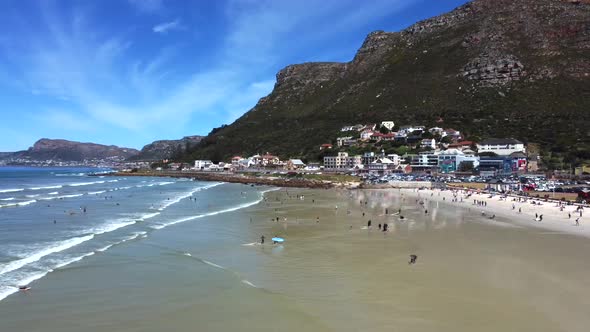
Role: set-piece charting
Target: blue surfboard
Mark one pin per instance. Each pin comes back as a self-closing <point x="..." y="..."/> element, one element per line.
<point x="278" y="239"/>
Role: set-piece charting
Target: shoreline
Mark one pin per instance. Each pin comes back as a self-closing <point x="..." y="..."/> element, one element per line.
<point x="553" y="220"/>
<point x="244" y="179"/>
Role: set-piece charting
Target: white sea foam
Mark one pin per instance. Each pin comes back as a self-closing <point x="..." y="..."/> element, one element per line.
<point x="10" y="190"/>
<point x="47" y="187"/>
<point x="111" y="226"/>
<point x="164" y="183"/>
<point x="248" y="283"/>
<point x="105" y="248"/>
<point x="70" y="196"/>
<point x="53" y="248"/>
<point x="235" y="208"/>
<point x="97" y="192"/>
<point x="73" y="260"/>
<point x="53" y="193"/>
<point x="85" y="183"/>
<point x="148" y="216"/>
<point x="7" y="199"/>
<point x="187" y="195"/>
<point x="113" y="181"/>
<point x="25" y="203"/>
<point x="213" y="264"/>
<point x="32" y="196"/>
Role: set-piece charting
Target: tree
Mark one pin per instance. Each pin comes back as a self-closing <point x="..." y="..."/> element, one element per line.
<point x="446" y="139"/>
<point x="465" y="166"/>
<point x="384" y="130"/>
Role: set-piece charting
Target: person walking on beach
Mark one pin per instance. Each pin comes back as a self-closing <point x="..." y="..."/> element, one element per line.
<point x="577" y="221"/>
<point x="569" y="215"/>
<point x="369" y="223"/>
<point x="385" y="227"/>
<point x="519" y="210"/>
<point x="380" y="226"/>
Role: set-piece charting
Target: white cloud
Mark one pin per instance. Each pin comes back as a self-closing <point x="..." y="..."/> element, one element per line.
<point x="167" y="26"/>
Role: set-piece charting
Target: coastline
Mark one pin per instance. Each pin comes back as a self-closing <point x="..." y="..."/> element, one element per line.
<point x="245" y="179"/>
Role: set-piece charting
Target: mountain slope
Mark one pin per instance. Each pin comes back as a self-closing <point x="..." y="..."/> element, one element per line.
<point x="500" y="68"/>
<point x="164" y="149"/>
<point x="63" y="150"/>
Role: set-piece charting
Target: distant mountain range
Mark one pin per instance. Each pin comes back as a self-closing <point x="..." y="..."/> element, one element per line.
<point x="63" y="150"/>
<point x="70" y="151"/>
<point x="490" y="68"/>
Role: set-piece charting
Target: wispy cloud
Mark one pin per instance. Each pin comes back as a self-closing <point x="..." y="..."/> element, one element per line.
<point x="167" y="26"/>
<point x="132" y="83"/>
<point x="147" y="6"/>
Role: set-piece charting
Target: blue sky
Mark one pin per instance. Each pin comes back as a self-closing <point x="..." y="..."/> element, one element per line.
<point x="127" y="72"/>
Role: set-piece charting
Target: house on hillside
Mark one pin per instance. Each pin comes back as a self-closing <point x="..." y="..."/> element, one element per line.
<point x="270" y="160"/>
<point x="462" y="145"/>
<point x="453" y="134"/>
<point x="388" y="124"/>
<point x="428" y="143"/>
<point x="366" y="134"/>
<point x="294" y="164"/>
<point x="326" y="146"/>
<point x="436" y="131"/>
<point x="341" y="140"/>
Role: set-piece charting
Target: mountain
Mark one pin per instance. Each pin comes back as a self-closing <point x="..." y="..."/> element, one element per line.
<point x="489" y="68"/>
<point x="63" y="150"/>
<point x="165" y="149"/>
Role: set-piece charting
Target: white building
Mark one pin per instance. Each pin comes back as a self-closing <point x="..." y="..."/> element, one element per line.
<point x="340" y="141"/>
<point x="366" y="134"/>
<point x="428" y="143"/>
<point x="436" y="131"/>
<point x="388" y="124"/>
<point x="501" y="146"/>
<point x="424" y="161"/>
<point x="395" y="158"/>
<point x="381" y="165"/>
<point x="202" y="164"/>
<point x="410" y="129"/>
<point x="341" y="162"/>
<point x="449" y="160"/>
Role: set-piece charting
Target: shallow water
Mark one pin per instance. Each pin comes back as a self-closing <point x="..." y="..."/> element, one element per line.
<point x="208" y="273"/>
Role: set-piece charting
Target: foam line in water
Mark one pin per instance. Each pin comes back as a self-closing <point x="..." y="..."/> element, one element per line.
<point x="47" y="187"/>
<point x="235" y="208"/>
<point x="10" y="190"/>
<point x="248" y="283"/>
<point x="25" y="203"/>
<point x="212" y="264"/>
<point x="56" y="247"/>
<point x="7" y="199"/>
<point x="111" y="227"/>
<point x="84" y="183"/>
<point x="105" y="248"/>
<point x="187" y="195"/>
<point x="73" y="260"/>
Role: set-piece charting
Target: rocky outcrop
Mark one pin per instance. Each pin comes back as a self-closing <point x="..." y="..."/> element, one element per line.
<point x="165" y="149"/>
<point x="490" y="70"/>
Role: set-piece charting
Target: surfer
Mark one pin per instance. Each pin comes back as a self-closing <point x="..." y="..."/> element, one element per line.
<point x="262" y="239"/>
<point x="413" y="259"/>
<point x="385" y="227"/>
<point x="24" y="288"/>
<point x="369" y="223"/>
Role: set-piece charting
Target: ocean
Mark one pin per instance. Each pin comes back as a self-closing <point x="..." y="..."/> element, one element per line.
<point x="53" y="217"/>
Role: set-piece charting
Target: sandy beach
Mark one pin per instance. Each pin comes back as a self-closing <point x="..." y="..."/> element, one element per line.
<point x="518" y="211"/>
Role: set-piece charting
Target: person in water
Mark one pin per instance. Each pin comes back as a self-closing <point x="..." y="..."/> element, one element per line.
<point x="379" y="226"/>
<point x="413" y="259"/>
<point x="369" y="223"/>
<point x="385" y="227"/>
<point x="262" y="239"/>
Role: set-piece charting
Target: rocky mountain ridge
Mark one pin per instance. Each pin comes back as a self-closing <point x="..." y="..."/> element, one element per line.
<point x="490" y="68"/>
<point x="164" y="149"/>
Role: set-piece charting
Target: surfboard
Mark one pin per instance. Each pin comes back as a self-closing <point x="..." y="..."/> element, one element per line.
<point x="278" y="239"/>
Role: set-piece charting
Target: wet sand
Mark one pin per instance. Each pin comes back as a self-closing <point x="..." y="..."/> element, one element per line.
<point x="332" y="275"/>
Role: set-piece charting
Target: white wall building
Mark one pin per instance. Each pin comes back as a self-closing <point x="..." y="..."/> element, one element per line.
<point x="428" y="143"/>
<point x="388" y="124"/>
<point x="342" y="161"/>
<point x="501" y="146"/>
<point x="202" y="164"/>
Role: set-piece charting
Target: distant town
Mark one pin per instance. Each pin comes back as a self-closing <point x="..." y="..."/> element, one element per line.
<point x="420" y="150"/>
